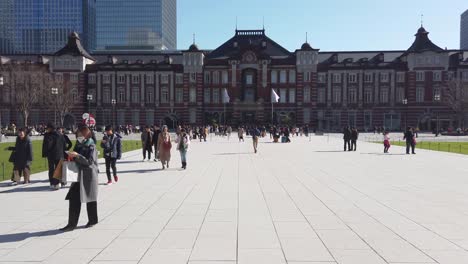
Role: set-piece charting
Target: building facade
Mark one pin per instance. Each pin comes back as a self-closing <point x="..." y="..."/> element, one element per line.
<point x="424" y="86"/>
<point x="137" y="25"/>
<point x="464" y="30"/>
<point x="42" y="26"/>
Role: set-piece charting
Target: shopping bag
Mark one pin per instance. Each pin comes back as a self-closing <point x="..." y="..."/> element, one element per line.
<point x="58" y="171"/>
<point x="69" y="171"/>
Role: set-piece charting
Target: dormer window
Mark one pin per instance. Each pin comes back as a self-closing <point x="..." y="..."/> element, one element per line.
<point x="264" y="44"/>
<point x="235" y="44"/>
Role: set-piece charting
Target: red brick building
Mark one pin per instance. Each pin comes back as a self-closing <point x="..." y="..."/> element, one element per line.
<point x="326" y="90"/>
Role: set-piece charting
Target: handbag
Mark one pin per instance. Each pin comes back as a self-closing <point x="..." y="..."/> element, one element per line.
<point x="58" y="171"/>
<point x="12" y="158"/>
<point x="69" y="171"/>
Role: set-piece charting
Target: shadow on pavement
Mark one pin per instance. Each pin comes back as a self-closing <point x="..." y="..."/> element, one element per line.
<point x="384" y="154"/>
<point x="28" y="189"/>
<point x="332" y="151"/>
<point x="8" y="238"/>
<point x="139" y="171"/>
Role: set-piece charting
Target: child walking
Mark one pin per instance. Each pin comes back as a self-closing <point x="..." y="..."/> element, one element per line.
<point x="386" y="142"/>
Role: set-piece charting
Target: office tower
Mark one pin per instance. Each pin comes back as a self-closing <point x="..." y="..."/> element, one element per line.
<point x="42" y="26"/>
<point x="137" y="25"/>
<point x="464" y="31"/>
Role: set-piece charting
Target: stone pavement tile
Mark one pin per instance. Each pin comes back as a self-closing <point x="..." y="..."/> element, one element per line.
<point x="35" y="250"/>
<point x="429" y="240"/>
<point x="341" y="239"/>
<point x="326" y="222"/>
<point x="72" y="256"/>
<point x="215" y="247"/>
<point x="211" y="262"/>
<point x="187" y="209"/>
<point x="398" y="250"/>
<point x="449" y="256"/>
<point x="176" y="239"/>
<point x="117" y="223"/>
<point x="94" y="239"/>
<point x="109" y="262"/>
<point x="3" y="252"/>
<point x="166" y="256"/>
<point x="221" y="215"/>
<point x="185" y="222"/>
<point x="256" y="256"/>
<point x="265" y="238"/>
<point x="361" y="256"/>
<point x="305" y="249"/>
<point x="125" y="249"/>
<point x="294" y="229"/>
<point x="156" y="214"/>
<point x="143" y="229"/>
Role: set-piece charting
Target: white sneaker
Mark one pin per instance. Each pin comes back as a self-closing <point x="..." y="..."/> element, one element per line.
<point x="57" y="187"/>
<point x="143" y="160"/>
<point x="13" y="184"/>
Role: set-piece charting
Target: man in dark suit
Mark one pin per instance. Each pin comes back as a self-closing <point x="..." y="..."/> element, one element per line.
<point x="347" y="138"/>
<point x="410" y="140"/>
<point x="53" y="148"/>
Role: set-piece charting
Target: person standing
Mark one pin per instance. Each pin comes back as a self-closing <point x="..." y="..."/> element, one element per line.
<point x="156" y="133"/>
<point x="147" y="142"/>
<point x="255" y="135"/>
<point x="53" y="148"/>
<point x="67" y="144"/>
<point x="410" y="140"/>
<point x="164" y="147"/>
<point x="86" y="189"/>
<point x="228" y="132"/>
<point x="354" y="138"/>
<point x="347" y="138"/>
<point x="183" y="143"/>
<point x="23" y="156"/>
<point x="112" y="145"/>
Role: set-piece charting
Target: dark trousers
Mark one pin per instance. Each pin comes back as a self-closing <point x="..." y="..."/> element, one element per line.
<point x="52" y="165"/>
<point x="110" y="163"/>
<point x="147" y="149"/>
<point x="353" y="145"/>
<point x="408" y="146"/>
<point x="75" y="207"/>
<point x="347" y="143"/>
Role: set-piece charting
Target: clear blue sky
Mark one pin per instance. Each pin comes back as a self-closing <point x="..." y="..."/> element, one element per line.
<point x="331" y="24"/>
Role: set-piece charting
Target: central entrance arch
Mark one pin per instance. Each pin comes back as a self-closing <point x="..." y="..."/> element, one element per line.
<point x="171" y="121"/>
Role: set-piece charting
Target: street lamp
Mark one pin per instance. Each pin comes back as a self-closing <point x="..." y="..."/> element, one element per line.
<point x="113" y="102"/>
<point x="437" y="100"/>
<point x="405" y="103"/>
<point x="55" y="94"/>
<point x="89" y="98"/>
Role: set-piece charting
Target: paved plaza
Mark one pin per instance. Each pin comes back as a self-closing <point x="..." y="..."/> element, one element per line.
<point x="307" y="202"/>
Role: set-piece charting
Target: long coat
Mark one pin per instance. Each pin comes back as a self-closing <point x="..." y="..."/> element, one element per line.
<point x="164" y="154"/>
<point x="23" y="153"/>
<point x="87" y="162"/>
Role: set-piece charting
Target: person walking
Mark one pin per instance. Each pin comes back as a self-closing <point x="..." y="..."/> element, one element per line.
<point x="112" y="146"/>
<point x="410" y="140"/>
<point x="183" y="143"/>
<point x="228" y="132"/>
<point x="164" y="147"/>
<point x="386" y="142"/>
<point x="147" y="142"/>
<point x="156" y="133"/>
<point x="255" y="135"/>
<point x="240" y="134"/>
<point x="22" y="157"/>
<point x="53" y="148"/>
<point x="347" y="138"/>
<point x="86" y="189"/>
<point x="354" y="138"/>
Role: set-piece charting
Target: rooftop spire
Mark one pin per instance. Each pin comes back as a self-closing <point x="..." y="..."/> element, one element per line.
<point x="193" y="38"/>
<point x="263" y="22"/>
<point x="306" y="38"/>
<point x="422" y="20"/>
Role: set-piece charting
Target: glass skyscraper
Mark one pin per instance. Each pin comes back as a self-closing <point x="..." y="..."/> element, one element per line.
<point x="464" y="31"/>
<point x="43" y="26"/>
<point x="136" y="25"/>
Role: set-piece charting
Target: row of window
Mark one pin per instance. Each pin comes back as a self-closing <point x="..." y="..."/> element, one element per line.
<point x="135" y="96"/>
<point x="283" y="76"/>
<point x="135" y="79"/>
<point x="368" y="95"/>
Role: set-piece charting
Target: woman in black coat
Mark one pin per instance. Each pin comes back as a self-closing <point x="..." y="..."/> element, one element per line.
<point x="23" y="156"/>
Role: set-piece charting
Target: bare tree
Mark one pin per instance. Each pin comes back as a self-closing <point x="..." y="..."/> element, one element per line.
<point x="29" y="89"/>
<point x="455" y="95"/>
<point x="60" y="96"/>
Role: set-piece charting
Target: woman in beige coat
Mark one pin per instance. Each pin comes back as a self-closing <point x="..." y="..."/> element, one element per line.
<point x="164" y="147"/>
